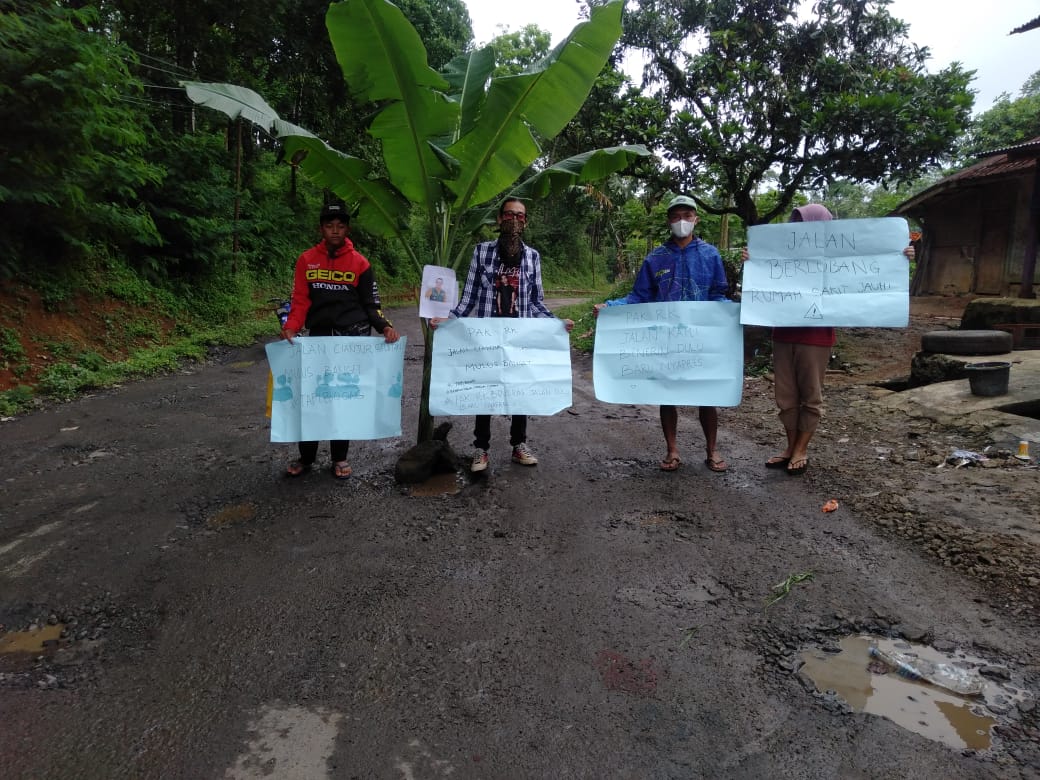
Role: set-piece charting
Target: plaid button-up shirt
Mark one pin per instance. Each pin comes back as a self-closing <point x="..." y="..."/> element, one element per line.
<point x="478" y="296"/>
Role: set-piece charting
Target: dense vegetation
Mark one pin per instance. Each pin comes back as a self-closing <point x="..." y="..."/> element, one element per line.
<point x="112" y="183"/>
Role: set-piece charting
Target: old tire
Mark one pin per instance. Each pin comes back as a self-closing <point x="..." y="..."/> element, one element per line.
<point x="967" y="342"/>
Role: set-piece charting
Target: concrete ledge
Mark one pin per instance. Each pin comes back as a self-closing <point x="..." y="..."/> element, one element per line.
<point x="952" y="402"/>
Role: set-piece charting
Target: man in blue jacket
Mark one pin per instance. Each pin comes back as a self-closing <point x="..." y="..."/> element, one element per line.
<point x="683" y="269"/>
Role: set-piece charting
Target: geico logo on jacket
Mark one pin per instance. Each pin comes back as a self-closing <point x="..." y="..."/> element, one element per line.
<point x="330" y="275"/>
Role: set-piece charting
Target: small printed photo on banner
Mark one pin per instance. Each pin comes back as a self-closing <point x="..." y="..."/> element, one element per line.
<point x="440" y="291"/>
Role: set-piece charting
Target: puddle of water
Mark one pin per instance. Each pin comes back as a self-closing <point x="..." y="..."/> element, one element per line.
<point x="915" y="705"/>
<point x="30" y="641"/>
<point x="437" y="485"/>
<point x="288" y="742"/>
<point x="232" y="515"/>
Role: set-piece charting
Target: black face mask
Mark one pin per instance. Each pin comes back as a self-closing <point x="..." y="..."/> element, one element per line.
<point x="510" y="239"/>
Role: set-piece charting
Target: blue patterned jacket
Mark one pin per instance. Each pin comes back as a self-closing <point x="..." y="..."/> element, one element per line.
<point x="670" y="273"/>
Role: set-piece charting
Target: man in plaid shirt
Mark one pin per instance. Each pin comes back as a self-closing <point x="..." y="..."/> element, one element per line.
<point x="504" y="280"/>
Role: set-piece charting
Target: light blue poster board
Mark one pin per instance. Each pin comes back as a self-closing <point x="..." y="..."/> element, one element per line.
<point x="687" y="353"/>
<point x="336" y="387"/>
<point x="500" y="365"/>
<point x="843" y="273"/>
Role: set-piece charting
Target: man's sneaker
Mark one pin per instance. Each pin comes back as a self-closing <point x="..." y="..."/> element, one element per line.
<point x="479" y="462"/>
<point x="523" y="455"/>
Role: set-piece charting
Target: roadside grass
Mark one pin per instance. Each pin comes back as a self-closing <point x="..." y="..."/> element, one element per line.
<point x="12" y="354"/>
<point x="193" y="328"/>
<point x="584" y="332"/>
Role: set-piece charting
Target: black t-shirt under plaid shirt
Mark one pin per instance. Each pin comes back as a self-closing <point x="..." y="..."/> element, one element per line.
<point x="507" y="288"/>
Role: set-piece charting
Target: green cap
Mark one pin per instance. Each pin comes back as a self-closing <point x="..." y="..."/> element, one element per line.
<point x="682" y="200"/>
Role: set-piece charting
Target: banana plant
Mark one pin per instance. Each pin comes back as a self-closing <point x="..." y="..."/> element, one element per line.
<point x="453" y="142"/>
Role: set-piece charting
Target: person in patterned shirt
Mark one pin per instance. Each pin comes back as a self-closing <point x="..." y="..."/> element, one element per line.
<point x="504" y="280"/>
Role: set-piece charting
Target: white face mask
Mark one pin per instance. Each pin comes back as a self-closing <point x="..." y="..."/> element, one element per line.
<point x="682" y="228"/>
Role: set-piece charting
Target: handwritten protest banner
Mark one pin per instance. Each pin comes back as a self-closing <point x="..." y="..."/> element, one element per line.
<point x="336" y="387"/>
<point x="843" y="273"/>
<point x="683" y="354"/>
<point x="500" y="365"/>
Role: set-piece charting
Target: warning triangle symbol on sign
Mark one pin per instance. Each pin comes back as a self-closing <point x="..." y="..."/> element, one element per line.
<point x="813" y="313"/>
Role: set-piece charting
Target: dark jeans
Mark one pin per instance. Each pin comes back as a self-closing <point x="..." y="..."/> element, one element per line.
<point x="309" y="451"/>
<point x="337" y="449"/>
<point x="482" y="431"/>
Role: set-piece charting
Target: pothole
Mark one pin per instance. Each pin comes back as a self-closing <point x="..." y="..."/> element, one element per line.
<point x="235" y="514"/>
<point x="438" y="485"/>
<point x="883" y="684"/>
<point x="35" y="640"/>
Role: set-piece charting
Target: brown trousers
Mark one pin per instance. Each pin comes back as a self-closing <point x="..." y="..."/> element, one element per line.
<point x="798" y="371"/>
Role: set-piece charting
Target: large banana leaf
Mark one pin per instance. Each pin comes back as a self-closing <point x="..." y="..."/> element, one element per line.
<point x="381" y="208"/>
<point x="383" y="60"/>
<point x="468" y="75"/>
<point x="596" y="165"/>
<point x="579" y="169"/>
<point x="501" y="145"/>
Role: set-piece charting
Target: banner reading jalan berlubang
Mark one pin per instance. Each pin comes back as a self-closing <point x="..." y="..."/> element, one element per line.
<point x="841" y="273"/>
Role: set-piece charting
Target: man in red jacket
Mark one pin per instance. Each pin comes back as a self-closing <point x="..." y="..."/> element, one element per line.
<point x="334" y="294"/>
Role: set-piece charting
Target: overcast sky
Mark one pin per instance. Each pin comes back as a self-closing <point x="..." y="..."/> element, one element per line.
<point x="977" y="36"/>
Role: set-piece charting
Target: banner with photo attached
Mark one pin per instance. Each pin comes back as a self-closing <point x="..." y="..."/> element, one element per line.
<point x="336" y="387"/>
<point x="842" y="273"/>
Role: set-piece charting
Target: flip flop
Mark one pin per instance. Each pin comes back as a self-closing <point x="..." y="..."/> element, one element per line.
<point x="777" y="462"/>
<point x="716" y="463"/>
<point x="671" y="464"/>
<point x="341" y="470"/>
<point x="794" y="471"/>
<point x="297" y="468"/>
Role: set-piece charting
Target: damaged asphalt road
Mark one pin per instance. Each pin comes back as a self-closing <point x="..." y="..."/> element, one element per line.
<point x="590" y="617"/>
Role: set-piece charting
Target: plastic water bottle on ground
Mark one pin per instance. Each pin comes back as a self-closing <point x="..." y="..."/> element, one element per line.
<point x="965" y="682"/>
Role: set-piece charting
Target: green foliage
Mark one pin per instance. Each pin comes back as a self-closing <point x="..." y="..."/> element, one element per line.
<point x="193" y="209"/>
<point x="443" y="25"/>
<point x="517" y="51"/>
<point x="847" y="200"/>
<point x="16" y="400"/>
<point x="452" y="143"/>
<point x="804" y="95"/>
<point x="582" y="336"/>
<point x="63" y="381"/>
<point x="436" y="153"/>
<point x="70" y="162"/>
<point x="11" y="349"/>
<point x="1007" y="123"/>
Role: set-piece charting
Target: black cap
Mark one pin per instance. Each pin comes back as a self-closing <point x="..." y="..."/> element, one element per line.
<point x="335" y="210"/>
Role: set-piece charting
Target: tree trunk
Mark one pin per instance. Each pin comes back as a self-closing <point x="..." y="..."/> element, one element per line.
<point x="425" y="432"/>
